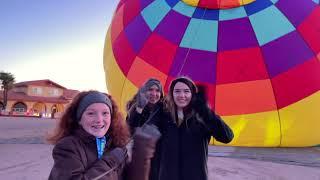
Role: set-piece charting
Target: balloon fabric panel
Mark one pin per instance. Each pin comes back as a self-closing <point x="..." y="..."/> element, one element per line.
<point x="258" y="60"/>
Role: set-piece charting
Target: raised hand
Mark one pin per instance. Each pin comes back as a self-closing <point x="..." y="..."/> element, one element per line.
<point x="200" y="104"/>
<point x="142" y="99"/>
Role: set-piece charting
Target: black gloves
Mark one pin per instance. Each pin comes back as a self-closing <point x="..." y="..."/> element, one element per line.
<point x="116" y="156"/>
<point x="145" y="141"/>
<point x="142" y="99"/>
<point x="200" y="103"/>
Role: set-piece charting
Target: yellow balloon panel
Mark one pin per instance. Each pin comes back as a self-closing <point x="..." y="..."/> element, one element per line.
<point x="300" y="122"/>
<point x="259" y="129"/>
<point x="191" y="2"/>
<point x="128" y="91"/>
<point x="115" y="79"/>
<point x="244" y="2"/>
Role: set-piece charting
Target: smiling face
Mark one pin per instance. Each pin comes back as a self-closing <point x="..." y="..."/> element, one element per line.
<point x="96" y="119"/>
<point x="153" y="94"/>
<point x="181" y="95"/>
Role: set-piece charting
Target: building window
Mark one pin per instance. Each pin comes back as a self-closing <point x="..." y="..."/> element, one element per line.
<point x="56" y="92"/>
<point x="53" y="92"/>
<point x="37" y="91"/>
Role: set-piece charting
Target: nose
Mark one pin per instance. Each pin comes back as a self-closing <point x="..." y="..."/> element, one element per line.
<point x="153" y="93"/>
<point x="99" y="118"/>
<point x="181" y="94"/>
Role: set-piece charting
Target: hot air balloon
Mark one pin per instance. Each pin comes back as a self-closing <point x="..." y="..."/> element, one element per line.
<point x="259" y="60"/>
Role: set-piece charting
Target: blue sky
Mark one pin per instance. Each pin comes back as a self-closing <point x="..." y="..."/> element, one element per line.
<point x="61" y="40"/>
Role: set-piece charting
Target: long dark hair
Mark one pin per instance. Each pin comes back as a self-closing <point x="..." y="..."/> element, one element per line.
<point x="170" y="105"/>
<point x="119" y="131"/>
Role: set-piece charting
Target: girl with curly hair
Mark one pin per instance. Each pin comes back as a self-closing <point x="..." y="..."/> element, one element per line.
<point x="90" y="140"/>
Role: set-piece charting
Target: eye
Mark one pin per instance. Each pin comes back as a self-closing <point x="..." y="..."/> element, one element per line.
<point x="105" y="113"/>
<point x="90" y="113"/>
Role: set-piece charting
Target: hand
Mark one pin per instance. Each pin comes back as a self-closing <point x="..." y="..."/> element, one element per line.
<point x="145" y="140"/>
<point x="143" y="151"/>
<point x="129" y="147"/>
<point x="117" y="155"/>
<point x="142" y="99"/>
<point x="152" y="131"/>
<point x="200" y="104"/>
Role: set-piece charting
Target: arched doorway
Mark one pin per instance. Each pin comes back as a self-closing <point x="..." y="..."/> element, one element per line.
<point x="39" y="109"/>
<point x="56" y="108"/>
<point x="19" y="108"/>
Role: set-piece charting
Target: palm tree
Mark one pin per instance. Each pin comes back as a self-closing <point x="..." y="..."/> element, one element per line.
<point x="7" y="80"/>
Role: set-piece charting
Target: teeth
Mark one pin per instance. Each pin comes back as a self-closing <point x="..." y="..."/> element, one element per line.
<point x="98" y="127"/>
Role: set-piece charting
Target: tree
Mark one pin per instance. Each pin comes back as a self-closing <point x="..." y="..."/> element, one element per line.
<point x="7" y="80"/>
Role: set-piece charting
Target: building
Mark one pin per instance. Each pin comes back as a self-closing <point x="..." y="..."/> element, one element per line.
<point x="43" y="98"/>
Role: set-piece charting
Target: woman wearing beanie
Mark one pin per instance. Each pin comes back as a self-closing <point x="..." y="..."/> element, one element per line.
<point x="146" y="101"/>
<point x="90" y="140"/>
<point x="143" y="107"/>
<point x="187" y="124"/>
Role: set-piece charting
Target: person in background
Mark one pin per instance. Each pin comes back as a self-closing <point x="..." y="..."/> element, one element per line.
<point x="146" y="101"/>
<point x="144" y="105"/>
<point x="186" y="124"/>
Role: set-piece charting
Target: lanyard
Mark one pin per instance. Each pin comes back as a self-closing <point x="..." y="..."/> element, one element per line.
<point x="101" y="143"/>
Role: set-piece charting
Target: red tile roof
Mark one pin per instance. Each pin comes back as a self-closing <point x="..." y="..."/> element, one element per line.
<point x="69" y="93"/>
<point x="44" y="82"/>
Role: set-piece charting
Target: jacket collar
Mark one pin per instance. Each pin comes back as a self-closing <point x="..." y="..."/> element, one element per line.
<point x="84" y="135"/>
<point x="88" y="138"/>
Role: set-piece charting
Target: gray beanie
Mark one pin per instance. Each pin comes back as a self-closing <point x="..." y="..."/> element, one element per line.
<point x="91" y="98"/>
<point x="150" y="82"/>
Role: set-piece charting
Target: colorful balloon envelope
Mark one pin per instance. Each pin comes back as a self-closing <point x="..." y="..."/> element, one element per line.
<point x="259" y="60"/>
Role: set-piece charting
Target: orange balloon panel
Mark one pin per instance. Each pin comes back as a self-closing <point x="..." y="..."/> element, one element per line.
<point x="140" y="70"/>
<point x="245" y="97"/>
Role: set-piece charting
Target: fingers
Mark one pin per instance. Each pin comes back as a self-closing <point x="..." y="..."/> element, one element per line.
<point x="142" y="98"/>
<point x="201" y="92"/>
<point x="143" y="89"/>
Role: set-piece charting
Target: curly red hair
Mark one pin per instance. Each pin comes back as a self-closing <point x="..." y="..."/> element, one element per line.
<point x="119" y="131"/>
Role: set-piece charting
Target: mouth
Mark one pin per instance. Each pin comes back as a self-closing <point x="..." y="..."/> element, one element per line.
<point x="182" y="101"/>
<point x="98" y="127"/>
<point x="153" y="98"/>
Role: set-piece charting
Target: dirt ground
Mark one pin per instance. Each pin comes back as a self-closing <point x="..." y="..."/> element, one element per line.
<point x="25" y="156"/>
